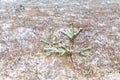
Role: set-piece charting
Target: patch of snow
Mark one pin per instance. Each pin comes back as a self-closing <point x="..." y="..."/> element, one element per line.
<point x="97" y="52"/>
<point x="8" y="78"/>
<point x="25" y="44"/>
<point x="2" y="47"/>
<point x="10" y="21"/>
<point x="35" y="18"/>
<point x="4" y="33"/>
<point x="61" y="9"/>
<point x="113" y="76"/>
<point x="20" y="35"/>
<point x="101" y="24"/>
<point x="2" y="10"/>
<point x="112" y="1"/>
<point x="66" y="14"/>
<point x="8" y="1"/>
<point x="106" y="62"/>
<point x="5" y="26"/>
<point x="102" y="39"/>
<point x="98" y="42"/>
<point x="63" y="72"/>
<point x="86" y="6"/>
<point x="13" y="73"/>
<point x="27" y="9"/>
<point x="51" y="13"/>
<point x="118" y="33"/>
<point x="114" y="28"/>
<point x="116" y="62"/>
<point x="23" y="33"/>
<point x="1" y="78"/>
<point x="88" y="33"/>
<point x="22" y="16"/>
<point x="94" y="61"/>
<point x="42" y="10"/>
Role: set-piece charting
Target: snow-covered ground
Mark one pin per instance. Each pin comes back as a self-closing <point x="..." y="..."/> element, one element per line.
<point x="24" y="22"/>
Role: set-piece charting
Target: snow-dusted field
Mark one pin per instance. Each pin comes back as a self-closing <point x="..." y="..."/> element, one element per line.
<point x="24" y="22"/>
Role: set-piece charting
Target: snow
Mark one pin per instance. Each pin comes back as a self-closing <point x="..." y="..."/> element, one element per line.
<point x="8" y="1"/>
<point x="101" y="24"/>
<point x="2" y="48"/>
<point x="5" y="26"/>
<point x="102" y="40"/>
<point x="20" y="33"/>
<point x="2" y="10"/>
<point x="113" y="76"/>
<point x="95" y="61"/>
